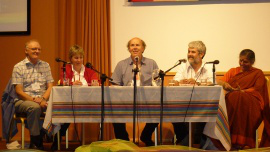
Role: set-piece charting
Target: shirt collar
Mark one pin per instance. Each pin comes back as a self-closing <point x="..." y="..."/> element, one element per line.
<point x="82" y="69"/>
<point x="27" y="62"/>
<point x="131" y="61"/>
<point x="190" y="67"/>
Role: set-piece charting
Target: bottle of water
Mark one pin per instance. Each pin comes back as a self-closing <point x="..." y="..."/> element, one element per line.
<point x="156" y="80"/>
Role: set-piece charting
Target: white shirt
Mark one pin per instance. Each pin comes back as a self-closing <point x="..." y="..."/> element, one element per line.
<point x="79" y="76"/>
<point x="185" y="71"/>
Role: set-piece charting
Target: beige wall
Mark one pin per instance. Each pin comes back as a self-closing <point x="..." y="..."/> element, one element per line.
<point x="226" y="27"/>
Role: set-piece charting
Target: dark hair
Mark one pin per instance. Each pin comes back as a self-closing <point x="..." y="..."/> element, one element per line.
<point x="249" y="54"/>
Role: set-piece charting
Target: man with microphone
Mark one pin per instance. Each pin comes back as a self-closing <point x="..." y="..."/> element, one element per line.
<point x="193" y="72"/>
<point x="123" y="75"/>
<point x="195" y="69"/>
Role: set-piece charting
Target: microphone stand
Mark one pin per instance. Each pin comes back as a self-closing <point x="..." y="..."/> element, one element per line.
<point x="64" y="74"/>
<point x="136" y="70"/>
<point x="214" y="75"/>
<point x="161" y="75"/>
<point x="103" y="78"/>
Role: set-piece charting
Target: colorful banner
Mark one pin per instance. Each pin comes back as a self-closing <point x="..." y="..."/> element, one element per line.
<point x="161" y="0"/>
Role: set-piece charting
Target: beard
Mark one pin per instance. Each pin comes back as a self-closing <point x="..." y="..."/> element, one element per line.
<point x="193" y="60"/>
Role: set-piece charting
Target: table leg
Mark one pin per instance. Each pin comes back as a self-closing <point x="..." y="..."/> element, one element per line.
<point x="58" y="140"/>
<point x="156" y="136"/>
<point x="67" y="139"/>
<point x="83" y="137"/>
<point x="190" y="134"/>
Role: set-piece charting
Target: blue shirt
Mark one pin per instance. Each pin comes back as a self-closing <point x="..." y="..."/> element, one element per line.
<point x="123" y="74"/>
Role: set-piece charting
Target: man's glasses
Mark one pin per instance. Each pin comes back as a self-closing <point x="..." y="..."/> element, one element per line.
<point x="35" y="49"/>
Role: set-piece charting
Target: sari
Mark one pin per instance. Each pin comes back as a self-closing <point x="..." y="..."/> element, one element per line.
<point x="248" y="107"/>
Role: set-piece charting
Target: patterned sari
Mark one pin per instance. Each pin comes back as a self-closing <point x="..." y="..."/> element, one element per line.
<point x="247" y="108"/>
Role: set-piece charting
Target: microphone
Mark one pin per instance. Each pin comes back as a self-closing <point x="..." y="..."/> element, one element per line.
<point x="60" y="60"/>
<point x="182" y="60"/>
<point x="213" y="62"/>
<point x="137" y="58"/>
<point x="136" y="69"/>
<point x="88" y="65"/>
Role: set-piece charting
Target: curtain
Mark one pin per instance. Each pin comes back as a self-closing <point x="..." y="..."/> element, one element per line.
<point x="87" y="24"/>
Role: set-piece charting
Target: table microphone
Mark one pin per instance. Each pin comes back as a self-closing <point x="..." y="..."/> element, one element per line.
<point x="182" y="60"/>
<point x="89" y="65"/>
<point x="60" y="60"/>
<point x="213" y="62"/>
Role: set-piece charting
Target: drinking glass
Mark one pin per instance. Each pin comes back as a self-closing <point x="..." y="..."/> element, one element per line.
<point x="203" y="82"/>
<point x="156" y="81"/>
<point x="171" y="82"/>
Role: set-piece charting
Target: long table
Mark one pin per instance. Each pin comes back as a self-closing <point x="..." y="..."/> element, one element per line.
<point x="83" y="105"/>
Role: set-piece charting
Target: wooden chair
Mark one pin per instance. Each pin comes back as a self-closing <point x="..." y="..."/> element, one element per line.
<point x="21" y="118"/>
<point x="58" y="140"/>
<point x="259" y="128"/>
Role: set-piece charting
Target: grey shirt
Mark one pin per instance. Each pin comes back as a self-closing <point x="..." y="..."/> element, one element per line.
<point x="123" y="74"/>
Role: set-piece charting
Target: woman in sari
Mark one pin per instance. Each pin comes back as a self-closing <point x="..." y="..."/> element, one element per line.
<point x="246" y="100"/>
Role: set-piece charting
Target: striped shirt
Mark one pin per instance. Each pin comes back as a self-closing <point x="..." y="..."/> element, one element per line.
<point x="29" y="75"/>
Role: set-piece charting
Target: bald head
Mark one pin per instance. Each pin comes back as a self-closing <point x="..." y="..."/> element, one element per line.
<point x="136" y="38"/>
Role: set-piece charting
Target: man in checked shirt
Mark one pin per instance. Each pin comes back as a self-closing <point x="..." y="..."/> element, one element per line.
<point x="33" y="82"/>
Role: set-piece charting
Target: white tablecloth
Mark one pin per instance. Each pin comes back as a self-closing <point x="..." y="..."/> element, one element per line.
<point x="82" y="104"/>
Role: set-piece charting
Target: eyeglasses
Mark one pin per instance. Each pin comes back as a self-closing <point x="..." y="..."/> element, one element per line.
<point x="35" y="49"/>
